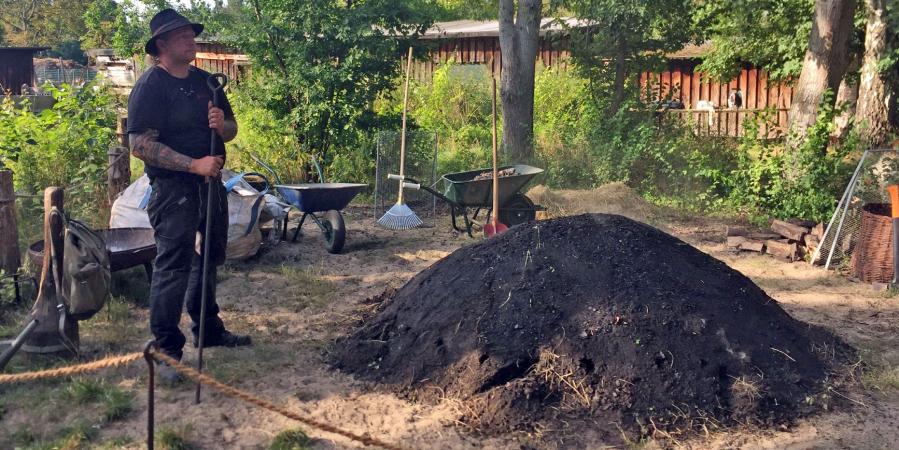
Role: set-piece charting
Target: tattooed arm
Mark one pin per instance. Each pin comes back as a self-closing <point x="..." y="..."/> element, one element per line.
<point x="146" y="147"/>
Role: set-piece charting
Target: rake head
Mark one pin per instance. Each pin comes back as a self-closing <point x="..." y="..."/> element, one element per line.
<point x="399" y="217"/>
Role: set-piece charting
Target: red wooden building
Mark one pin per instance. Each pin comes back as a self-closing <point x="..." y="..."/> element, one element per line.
<point x="476" y="42"/>
<point x="216" y="57"/>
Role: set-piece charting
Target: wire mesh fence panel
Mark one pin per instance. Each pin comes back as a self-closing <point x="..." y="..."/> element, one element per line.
<point x="420" y="164"/>
<point x="875" y="170"/>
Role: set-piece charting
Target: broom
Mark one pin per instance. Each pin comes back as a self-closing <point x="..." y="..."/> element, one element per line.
<point x="400" y="216"/>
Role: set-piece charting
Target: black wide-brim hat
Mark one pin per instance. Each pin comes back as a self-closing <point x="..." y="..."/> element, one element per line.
<point x="165" y="21"/>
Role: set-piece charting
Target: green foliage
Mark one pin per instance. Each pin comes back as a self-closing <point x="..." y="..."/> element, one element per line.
<point x="803" y="184"/>
<point x="321" y="64"/>
<point x="467" y="9"/>
<point x="768" y="33"/>
<point x="625" y="37"/>
<point x="69" y="49"/>
<point x="41" y="22"/>
<point x="84" y="390"/>
<point x="291" y="440"/>
<point x="456" y="104"/>
<point x="117" y="404"/>
<point x="173" y="439"/>
<point x="63" y="146"/>
<point x="100" y="22"/>
<point x="132" y="29"/>
<point x="262" y="135"/>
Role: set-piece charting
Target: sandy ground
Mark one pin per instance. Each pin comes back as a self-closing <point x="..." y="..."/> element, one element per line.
<point x="295" y="299"/>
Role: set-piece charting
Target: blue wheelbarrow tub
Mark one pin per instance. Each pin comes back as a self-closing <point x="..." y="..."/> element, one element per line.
<point x="319" y="197"/>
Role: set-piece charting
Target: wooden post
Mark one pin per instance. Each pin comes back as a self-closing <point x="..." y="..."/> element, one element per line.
<point x="119" y="174"/>
<point x="10" y="258"/>
<point x="121" y="128"/>
<point x="47" y="337"/>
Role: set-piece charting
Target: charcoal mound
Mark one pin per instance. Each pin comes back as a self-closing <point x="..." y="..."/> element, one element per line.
<point x="596" y="318"/>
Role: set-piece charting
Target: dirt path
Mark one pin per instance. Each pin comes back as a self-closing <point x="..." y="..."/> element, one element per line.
<point x="295" y="299"/>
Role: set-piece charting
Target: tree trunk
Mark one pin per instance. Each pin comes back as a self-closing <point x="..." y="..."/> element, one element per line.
<point x="824" y="65"/>
<point x="874" y="96"/>
<point x="518" y="41"/>
<point x="620" y="76"/>
<point x="847" y="98"/>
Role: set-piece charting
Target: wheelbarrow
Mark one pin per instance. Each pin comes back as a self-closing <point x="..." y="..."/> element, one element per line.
<point x="127" y="248"/>
<point x="464" y="193"/>
<point x="322" y="202"/>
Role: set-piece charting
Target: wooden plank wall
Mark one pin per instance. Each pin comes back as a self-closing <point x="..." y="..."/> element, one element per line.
<point x="16" y="69"/>
<point x="213" y="58"/>
<point x="481" y="50"/>
<point x="681" y="81"/>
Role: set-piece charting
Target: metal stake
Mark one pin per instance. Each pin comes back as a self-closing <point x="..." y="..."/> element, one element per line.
<point x="151" y="391"/>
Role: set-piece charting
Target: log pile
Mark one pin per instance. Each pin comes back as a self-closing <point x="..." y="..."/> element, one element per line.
<point x="791" y="240"/>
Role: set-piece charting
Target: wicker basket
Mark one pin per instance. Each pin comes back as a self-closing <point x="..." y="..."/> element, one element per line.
<point x="872" y="260"/>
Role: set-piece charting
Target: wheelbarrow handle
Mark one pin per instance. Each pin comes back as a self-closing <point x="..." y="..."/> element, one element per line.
<point x="415" y="186"/>
<point x="393" y="176"/>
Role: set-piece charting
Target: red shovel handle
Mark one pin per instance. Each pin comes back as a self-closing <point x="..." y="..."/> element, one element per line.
<point x="894" y="199"/>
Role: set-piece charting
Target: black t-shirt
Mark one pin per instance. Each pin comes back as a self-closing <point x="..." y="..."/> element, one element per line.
<point x="179" y="110"/>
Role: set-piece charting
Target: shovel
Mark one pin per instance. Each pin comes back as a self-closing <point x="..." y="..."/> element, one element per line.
<point x="894" y="200"/>
<point x="494" y="226"/>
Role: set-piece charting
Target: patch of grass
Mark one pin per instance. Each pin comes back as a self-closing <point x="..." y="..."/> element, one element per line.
<point x="23" y="436"/>
<point x="114" y="327"/>
<point x="291" y="440"/>
<point x="74" y="437"/>
<point x="173" y="439"/>
<point x="304" y="287"/>
<point x="131" y="285"/>
<point x="246" y="362"/>
<point x="884" y="378"/>
<point x="116" y="443"/>
<point x="117" y="404"/>
<point x="85" y="390"/>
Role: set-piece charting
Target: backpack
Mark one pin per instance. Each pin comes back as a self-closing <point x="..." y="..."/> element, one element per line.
<point x="86" y="275"/>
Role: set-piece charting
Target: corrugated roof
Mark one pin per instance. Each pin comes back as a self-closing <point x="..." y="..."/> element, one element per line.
<point x="477" y="28"/>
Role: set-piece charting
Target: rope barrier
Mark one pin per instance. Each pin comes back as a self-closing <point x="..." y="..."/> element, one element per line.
<point x="265" y="404"/>
<point x="113" y="361"/>
<point x="189" y="372"/>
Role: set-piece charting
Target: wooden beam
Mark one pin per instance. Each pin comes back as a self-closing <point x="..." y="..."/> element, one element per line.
<point x="788" y="230"/>
<point x="10" y="258"/>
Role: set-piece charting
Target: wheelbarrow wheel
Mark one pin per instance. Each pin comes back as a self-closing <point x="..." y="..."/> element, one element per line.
<point x="518" y="210"/>
<point x="335" y="231"/>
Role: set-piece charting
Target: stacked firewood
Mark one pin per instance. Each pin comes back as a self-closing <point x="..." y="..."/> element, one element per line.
<point x="792" y="240"/>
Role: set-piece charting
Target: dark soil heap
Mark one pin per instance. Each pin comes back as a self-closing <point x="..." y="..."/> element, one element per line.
<point x="596" y="318"/>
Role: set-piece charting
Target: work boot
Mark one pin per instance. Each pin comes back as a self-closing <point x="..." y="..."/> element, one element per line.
<point x="168" y="375"/>
<point x="225" y="339"/>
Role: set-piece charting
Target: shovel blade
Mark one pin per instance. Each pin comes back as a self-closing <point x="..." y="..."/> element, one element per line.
<point x="494" y="227"/>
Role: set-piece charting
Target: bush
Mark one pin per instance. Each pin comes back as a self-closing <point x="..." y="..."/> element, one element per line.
<point x="65" y="146"/>
<point x="263" y="135"/>
<point x="805" y="183"/>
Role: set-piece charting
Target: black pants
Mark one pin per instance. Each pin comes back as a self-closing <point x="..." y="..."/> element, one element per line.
<point x="177" y="211"/>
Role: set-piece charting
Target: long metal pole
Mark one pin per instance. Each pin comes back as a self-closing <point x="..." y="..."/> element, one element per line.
<point x="844" y="201"/>
<point x="215" y="82"/>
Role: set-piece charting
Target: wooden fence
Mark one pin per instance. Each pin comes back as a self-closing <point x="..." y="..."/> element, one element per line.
<point x="771" y="123"/>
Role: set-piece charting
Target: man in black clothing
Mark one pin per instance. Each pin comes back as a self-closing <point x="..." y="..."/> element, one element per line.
<point x="170" y="114"/>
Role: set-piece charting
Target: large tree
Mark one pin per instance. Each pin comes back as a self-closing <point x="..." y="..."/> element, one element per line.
<point x="519" y="34"/>
<point x="875" y="95"/>
<point x="319" y="64"/>
<point x="824" y="64"/>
